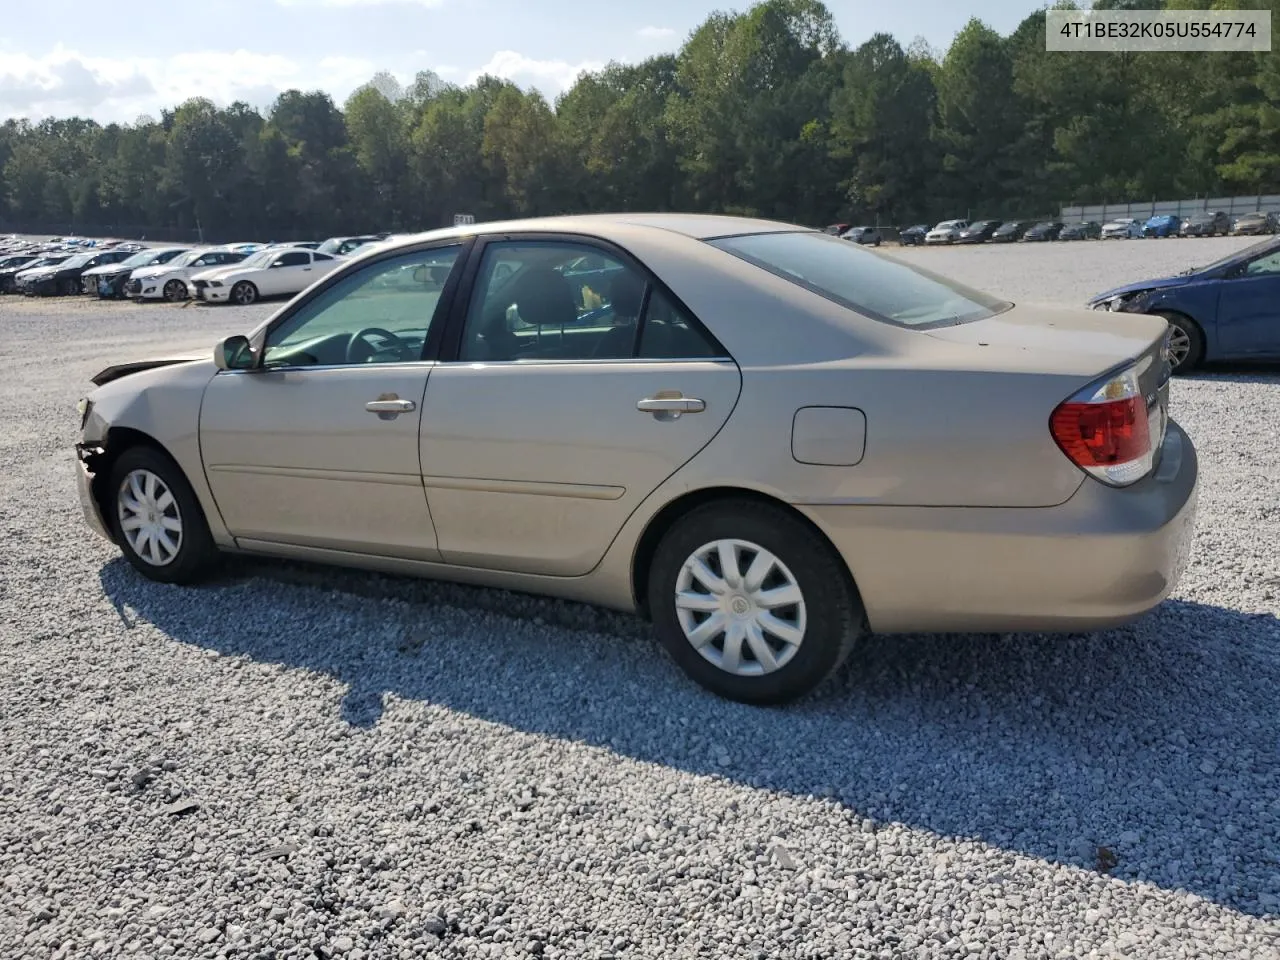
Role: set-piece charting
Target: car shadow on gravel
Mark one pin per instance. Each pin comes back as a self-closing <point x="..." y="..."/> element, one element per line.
<point x="1150" y="752"/>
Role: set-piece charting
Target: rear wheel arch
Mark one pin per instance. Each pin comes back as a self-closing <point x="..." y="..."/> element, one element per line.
<point x="670" y="514"/>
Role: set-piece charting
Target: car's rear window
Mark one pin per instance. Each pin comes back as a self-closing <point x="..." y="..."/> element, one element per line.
<point x="869" y="283"/>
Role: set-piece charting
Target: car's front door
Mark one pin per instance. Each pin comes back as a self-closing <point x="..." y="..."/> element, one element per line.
<point x="287" y="273"/>
<point x="565" y="398"/>
<point x="1249" y="309"/>
<point x="318" y="446"/>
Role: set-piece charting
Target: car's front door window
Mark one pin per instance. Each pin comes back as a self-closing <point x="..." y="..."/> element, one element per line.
<point x="292" y="259"/>
<point x="381" y="313"/>
<point x="1268" y="265"/>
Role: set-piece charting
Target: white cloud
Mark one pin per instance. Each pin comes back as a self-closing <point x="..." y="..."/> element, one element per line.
<point x="65" y="82"/>
<point x="552" y="77"/>
<point x="655" y="33"/>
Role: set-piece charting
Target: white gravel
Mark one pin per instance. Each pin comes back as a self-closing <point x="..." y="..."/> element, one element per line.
<point x="297" y="762"/>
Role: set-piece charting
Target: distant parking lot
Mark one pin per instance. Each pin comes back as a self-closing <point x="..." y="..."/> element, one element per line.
<point x="375" y="767"/>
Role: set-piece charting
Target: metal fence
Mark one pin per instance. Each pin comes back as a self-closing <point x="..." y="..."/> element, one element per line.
<point x="1233" y="206"/>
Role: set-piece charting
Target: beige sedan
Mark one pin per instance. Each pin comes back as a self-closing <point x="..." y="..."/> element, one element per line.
<point x="766" y="439"/>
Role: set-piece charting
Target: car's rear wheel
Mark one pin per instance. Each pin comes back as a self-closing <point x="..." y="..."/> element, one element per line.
<point x="175" y="290"/>
<point x="752" y="603"/>
<point x="157" y="519"/>
<point x="1186" y="342"/>
<point x="244" y="293"/>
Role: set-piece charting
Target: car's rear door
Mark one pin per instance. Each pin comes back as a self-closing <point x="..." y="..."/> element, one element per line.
<point x="548" y="419"/>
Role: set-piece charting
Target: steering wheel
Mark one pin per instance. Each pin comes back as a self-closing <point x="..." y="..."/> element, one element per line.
<point x="361" y="350"/>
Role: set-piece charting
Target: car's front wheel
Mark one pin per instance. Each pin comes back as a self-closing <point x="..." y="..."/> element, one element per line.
<point x="752" y="603"/>
<point x="1186" y="342"/>
<point x="175" y="290"/>
<point x="244" y="293"/>
<point x="157" y="519"/>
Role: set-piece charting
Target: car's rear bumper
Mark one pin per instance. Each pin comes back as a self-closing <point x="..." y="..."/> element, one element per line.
<point x="1103" y="558"/>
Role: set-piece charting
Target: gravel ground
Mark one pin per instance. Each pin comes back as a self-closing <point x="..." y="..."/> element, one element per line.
<point x="298" y="762"/>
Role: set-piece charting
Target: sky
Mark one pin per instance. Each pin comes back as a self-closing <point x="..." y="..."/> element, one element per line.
<point x="95" y="59"/>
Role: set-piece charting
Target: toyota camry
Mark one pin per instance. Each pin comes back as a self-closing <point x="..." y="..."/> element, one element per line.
<point x="763" y="438"/>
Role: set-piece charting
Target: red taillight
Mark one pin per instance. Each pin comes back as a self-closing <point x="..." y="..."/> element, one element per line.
<point x="1106" y="431"/>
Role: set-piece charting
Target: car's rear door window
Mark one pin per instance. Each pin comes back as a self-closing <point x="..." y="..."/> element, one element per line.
<point x="869" y="283"/>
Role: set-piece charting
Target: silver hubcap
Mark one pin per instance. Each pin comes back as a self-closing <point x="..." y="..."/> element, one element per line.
<point x="740" y="607"/>
<point x="245" y="294"/>
<point x="149" y="517"/>
<point x="1179" y="344"/>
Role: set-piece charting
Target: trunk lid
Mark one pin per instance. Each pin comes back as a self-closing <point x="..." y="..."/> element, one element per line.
<point x="1084" y="343"/>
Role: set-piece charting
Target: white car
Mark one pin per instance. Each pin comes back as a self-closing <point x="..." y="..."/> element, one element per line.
<point x="169" y="281"/>
<point x="948" y="231"/>
<point x="274" y="272"/>
<point x="1123" y="228"/>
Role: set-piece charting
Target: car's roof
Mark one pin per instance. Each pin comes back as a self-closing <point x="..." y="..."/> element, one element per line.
<point x="607" y="225"/>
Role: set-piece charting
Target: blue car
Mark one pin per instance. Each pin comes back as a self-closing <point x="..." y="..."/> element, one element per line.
<point x="1165" y="225"/>
<point x="1227" y="310"/>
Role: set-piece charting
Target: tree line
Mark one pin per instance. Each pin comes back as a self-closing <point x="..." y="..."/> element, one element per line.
<point x="765" y="112"/>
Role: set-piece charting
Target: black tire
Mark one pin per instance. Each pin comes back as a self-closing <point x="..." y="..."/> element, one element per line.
<point x="175" y="290"/>
<point x="196" y="553"/>
<point x="244" y="293"/>
<point x="833" y="619"/>
<point x="1195" y="338"/>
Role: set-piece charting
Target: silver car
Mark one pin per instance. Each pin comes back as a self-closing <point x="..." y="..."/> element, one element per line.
<point x="766" y="439"/>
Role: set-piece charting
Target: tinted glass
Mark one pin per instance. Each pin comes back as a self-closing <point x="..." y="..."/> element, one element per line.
<point x="398" y="296"/>
<point x="669" y="333"/>
<point x="292" y="259"/>
<point x="870" y="283"/>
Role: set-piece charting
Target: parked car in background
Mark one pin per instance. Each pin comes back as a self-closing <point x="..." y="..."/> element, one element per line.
<point x="979" y="231"/>
<point x="278" y="272"/>
<point x="836" y="229"/>
<point x="108" y="281"/>
<point x="1206" y="225"/>
<point x="1045" y="230"/>
<point x="13" y="264"/>
<point x="63" y="279"/>
<point x="1253" y="224"/>
<point x="764" y="500"/>
<point x="1122" y="228"/>
<point x="1084" y="230"/>
<point x="168" y="281"/>
<point x="948" y="231"/>
<point x="868" y="236"/>
<point x="913" y="236"/>
<point x="1162" y="225"/>
<point x="1011" y="231"/>
<point x="1226" y="310"/>
<point x="13" y="282"/>
<point x="342" y="246"/>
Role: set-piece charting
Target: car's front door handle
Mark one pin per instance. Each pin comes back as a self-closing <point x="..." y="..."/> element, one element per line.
<point x="391" y="406"/>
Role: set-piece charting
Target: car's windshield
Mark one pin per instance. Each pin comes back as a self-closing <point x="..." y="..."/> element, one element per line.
<point x="262" y="257"/>
<point x="48" y="261"/>
<point x="876" y="286"/>
<point x="188" y="258"/>
<point x="1250" y="251"/>
<point x="143" y="258"/>
<point x="79" y="260"/>
<point x="331" y="245"/>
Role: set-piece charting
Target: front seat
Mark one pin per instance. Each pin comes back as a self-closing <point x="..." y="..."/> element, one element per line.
<point x="543" y="298"/>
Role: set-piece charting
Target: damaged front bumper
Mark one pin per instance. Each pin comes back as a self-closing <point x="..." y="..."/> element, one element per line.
<point x="86" y="455"/>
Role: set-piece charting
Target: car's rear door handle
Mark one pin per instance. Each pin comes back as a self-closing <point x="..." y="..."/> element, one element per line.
<point x="390" y="406"/>
<point x="670" y="407"/>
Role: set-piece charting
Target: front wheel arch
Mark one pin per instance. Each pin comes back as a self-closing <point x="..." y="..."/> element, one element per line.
<point x="1194" y="331"/>
<point x="118" y="440"/>
<point x="669" y="515"/>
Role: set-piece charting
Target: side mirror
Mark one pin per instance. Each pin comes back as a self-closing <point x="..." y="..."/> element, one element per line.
<point x="233" y="353"/>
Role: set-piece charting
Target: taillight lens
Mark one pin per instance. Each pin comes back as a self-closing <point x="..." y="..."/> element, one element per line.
<point x="1105" y="430"/>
